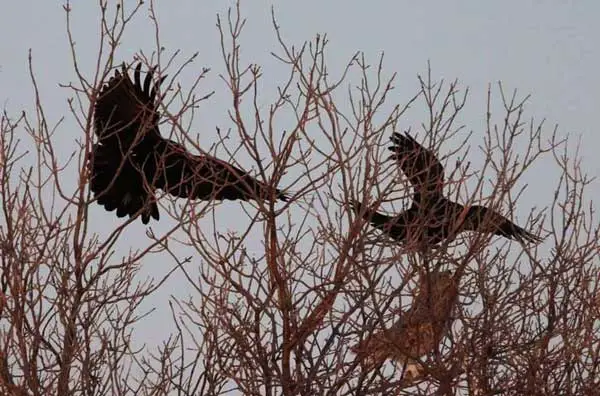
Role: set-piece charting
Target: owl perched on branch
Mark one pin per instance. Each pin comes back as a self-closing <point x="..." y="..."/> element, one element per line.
<point x="419" y="330"/>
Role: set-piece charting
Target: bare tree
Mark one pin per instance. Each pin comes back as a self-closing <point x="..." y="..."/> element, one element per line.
<point x="278" y="300"/>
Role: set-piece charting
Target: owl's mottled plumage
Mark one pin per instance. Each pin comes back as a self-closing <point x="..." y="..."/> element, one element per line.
<point x="419" y="330"/>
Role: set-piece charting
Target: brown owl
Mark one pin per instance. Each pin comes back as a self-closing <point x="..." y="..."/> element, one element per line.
<point x="419" y="330"/>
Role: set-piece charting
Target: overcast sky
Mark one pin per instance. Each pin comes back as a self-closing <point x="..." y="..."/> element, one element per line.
<point x="547" y="49"/>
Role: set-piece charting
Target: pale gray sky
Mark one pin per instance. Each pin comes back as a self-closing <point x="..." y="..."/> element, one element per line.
<point x="548" y="49"/>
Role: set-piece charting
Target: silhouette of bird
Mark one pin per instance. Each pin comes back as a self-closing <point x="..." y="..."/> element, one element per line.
<point x="131" y="159"/>
<point x="419" y="330"/>
<point x="432" y="218"/>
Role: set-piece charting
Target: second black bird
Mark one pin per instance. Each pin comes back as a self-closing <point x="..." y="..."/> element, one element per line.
<point x="432" y="218"/>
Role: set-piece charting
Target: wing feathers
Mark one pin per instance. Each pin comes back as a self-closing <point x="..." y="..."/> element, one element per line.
<point x="203" y="177"/>
<point x="420" y="165"/>
<point x="482" y="219"/>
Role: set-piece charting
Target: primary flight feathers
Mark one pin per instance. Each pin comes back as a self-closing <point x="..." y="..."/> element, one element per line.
<point x="420" y="165"/>
<point x="131" y="159"/>
<point x="432" y="218"/>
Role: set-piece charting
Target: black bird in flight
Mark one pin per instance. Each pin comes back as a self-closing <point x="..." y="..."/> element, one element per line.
<point x="432" y="218"/>
<point x="419" y="330"/>
<point x="131" y="159"/>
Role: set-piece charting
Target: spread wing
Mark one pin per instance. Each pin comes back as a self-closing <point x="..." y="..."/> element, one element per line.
<point x="125" y="111"/>
<point x="420" y="165"/>
<point x="482" y="219"/>
<point x="185" y="175"/>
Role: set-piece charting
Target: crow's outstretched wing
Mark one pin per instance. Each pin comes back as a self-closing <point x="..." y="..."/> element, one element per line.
<point x="125" y="111"/>
<point x="482" y="219"/>
<point x="420" y="165"/>
<point x="204" y="177"/>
